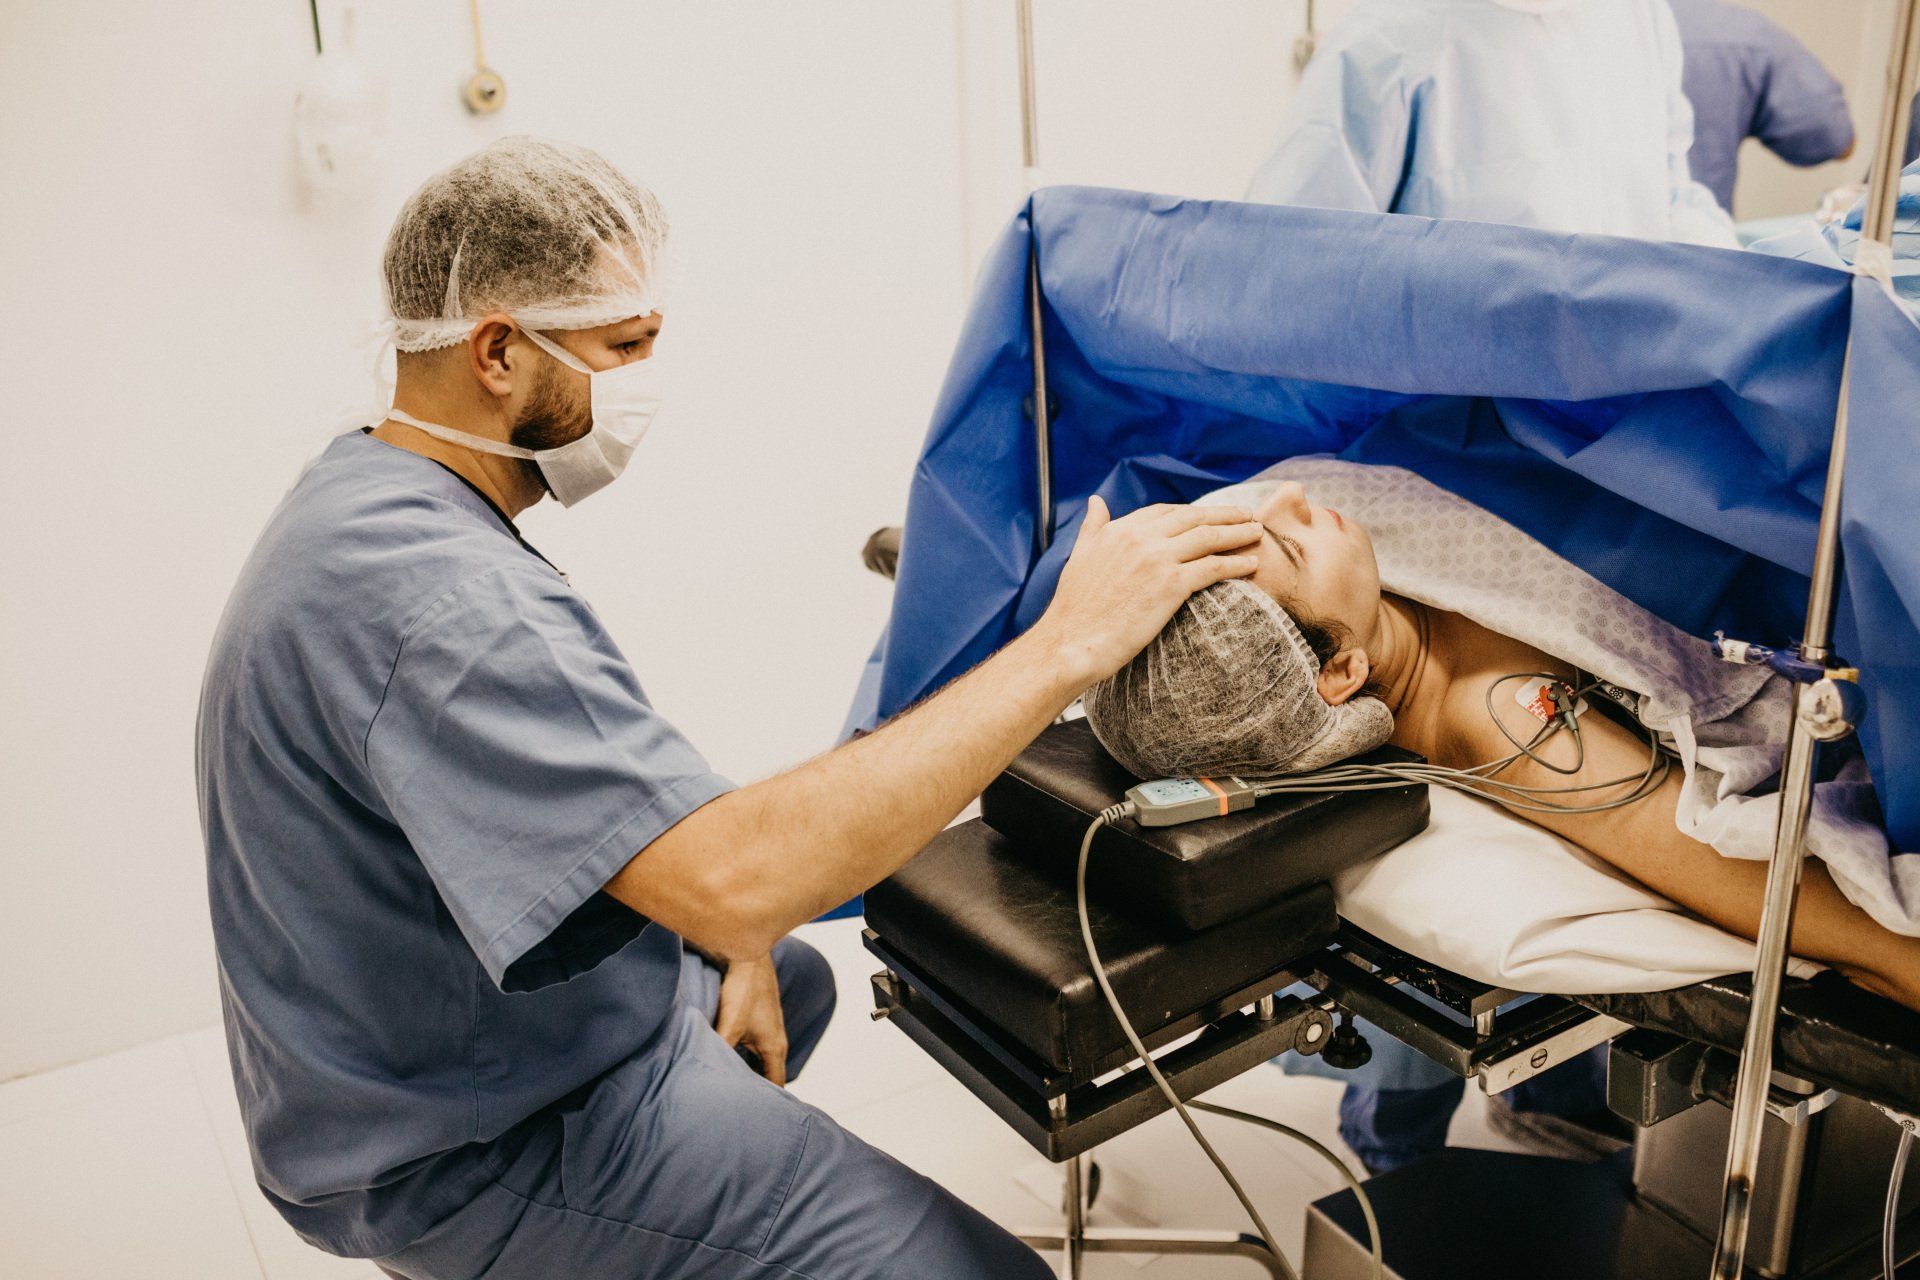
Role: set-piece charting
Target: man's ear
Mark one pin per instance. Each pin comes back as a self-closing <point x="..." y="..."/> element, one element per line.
<point x="488" y="351"/>
<point x="1344" y="675"/>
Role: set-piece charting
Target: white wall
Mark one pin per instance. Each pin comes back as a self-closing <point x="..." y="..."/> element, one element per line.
<point x="183" y="327"/>
<point x="1127" y="97"/>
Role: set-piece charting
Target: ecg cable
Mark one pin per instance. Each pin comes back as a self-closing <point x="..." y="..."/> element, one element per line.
<point x="1173" y="1099"/>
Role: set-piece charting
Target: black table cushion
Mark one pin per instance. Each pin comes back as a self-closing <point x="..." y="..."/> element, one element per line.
<point x="1203" y="873"/>
<point x="1830" y="1031"/>
<point x="1002" y="940"/>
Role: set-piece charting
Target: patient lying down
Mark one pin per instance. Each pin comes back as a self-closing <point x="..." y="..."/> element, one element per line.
<point x="1309" y="661"/>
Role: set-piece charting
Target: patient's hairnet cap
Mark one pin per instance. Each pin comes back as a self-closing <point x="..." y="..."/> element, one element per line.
<point x="1229" y="687"/>
<point x="547" y="231"/>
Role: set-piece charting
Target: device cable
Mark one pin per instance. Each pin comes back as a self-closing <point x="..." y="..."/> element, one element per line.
<point x="1482" y="779"/>
<point x="1353" y="1183"/>
<point x="1113" y="814"/>
<point x="1133" y="1037"/>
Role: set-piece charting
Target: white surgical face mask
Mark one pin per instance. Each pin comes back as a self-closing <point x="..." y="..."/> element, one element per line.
<point x="623" y="401"/>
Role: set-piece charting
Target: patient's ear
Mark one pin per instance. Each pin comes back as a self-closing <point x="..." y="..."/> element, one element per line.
<point x="1344" y="675"/>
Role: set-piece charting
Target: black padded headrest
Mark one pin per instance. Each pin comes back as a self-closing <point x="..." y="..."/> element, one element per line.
<point x="1203" y="873"/>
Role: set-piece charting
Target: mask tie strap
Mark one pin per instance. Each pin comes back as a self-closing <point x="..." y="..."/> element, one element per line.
<point x="480" y="444"/>
<point x="553" y="348"/>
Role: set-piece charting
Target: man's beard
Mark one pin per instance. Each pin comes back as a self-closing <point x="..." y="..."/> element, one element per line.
<point x="551" y="418"/>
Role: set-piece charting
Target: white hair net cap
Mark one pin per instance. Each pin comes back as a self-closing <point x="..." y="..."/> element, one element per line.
<point x="546" y="231"/>
<point x="1229" y="687"/>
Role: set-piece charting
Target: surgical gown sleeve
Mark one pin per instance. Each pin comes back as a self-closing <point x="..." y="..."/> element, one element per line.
<point x="1693" y="215"/>
<point x="1802" y="117"/>
<point x="1345" y="138"/>
<point x="517" y="753"/>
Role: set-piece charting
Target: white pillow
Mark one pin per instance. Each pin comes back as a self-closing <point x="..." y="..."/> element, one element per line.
<point x="1497" y="899"/>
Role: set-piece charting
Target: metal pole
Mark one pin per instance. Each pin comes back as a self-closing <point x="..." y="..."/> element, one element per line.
<point x="1030" y="176"/>
<point x="1075" y="1244"/>
<point x="1796" y="778"/>
<point x="1029" y="117"/>
<point x="1307" y="41"/>
<point x="1042" y="435"/>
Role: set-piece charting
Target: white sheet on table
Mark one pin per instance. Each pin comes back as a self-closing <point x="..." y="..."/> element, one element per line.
<point x="1497" y="899"/>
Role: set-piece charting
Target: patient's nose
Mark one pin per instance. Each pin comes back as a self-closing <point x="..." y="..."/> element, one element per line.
<point x="1288" y="503"/>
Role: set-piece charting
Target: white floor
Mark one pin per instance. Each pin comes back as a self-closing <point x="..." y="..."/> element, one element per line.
<point x="134" y="1164"/>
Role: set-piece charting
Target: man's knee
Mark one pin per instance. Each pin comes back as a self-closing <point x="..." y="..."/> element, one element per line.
<point x="807" y="998"/>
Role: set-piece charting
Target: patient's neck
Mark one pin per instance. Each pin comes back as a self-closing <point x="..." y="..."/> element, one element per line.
<point x="1399" y="649"/>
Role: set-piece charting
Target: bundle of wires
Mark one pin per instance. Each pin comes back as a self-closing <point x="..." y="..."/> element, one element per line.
<point x="1481" y="780"/>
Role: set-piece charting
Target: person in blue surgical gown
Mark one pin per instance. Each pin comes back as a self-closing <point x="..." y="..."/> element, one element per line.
<point x="1746" y="78"/>
<point x="504" y="962"/>
<point x="1562" y="114"/>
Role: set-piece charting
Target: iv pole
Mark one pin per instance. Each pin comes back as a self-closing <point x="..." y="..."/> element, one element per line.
<point x="1813" y="720"/>
<point x="1030" y="175"/>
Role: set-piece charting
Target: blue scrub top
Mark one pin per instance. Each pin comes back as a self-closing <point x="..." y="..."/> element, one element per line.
<point x="420" y="757"/>
<point x="1748" y="78"/>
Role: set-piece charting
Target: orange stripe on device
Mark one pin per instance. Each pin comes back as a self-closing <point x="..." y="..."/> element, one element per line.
<point x="1215" y="787"/>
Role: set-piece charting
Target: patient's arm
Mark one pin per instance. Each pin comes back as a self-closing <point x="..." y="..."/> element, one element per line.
<point x="1447" y="721"/>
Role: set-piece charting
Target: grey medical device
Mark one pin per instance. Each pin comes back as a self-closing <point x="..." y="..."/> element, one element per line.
<point x="1169" y="802"/>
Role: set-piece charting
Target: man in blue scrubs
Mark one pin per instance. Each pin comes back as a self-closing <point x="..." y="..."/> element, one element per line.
<point x="1746" y="78"/>
<point x="503" y="961"/>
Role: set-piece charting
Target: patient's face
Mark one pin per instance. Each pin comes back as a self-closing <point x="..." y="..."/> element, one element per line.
<point x="1315" y="558"/>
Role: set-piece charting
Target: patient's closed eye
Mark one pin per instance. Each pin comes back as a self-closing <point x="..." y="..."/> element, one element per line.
<point x="1290" y="547"/>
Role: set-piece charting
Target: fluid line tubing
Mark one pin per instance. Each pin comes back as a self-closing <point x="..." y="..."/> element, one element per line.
<point x="1796" y="777"/>
<point x="479" y="43"/>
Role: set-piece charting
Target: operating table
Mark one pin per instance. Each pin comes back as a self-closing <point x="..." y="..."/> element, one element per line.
<point x="1208" y="932"/>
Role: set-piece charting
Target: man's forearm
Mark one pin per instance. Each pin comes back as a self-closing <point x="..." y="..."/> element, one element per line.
<point x="858" y="813"/>
<point x="734" y="876"/>
<point x="806" y="840"/>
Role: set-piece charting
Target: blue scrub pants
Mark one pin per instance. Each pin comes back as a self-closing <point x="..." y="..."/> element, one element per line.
<point x="683" y="1163"/>
<point x="1388" y="1128"/>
